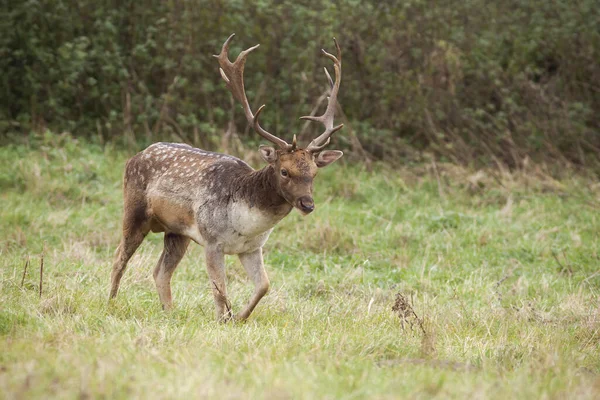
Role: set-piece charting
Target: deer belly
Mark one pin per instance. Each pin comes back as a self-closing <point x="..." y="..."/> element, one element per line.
<point x="173" y="217"/>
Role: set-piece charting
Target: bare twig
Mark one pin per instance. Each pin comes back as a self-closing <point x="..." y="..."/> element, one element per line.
<point x="127" y="118"/>
<point x="224" y="299"/>
<point x="462" y="303"/>
<point x="439" y="181"/>
<point x="167" y="97"/>
<point x="595" y="274"/>
<point x="42" y="270"/>
<point x="25" y="270"/>
<point x="176" y="127"/>
<point x="497" y="286"/>
<point x="357" y="146"/>
<point x="566" y="269"/>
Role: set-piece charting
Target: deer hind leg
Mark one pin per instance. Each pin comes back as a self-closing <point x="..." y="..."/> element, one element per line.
<point x="254" y="266"/>
<point x="135" y="229"/>
<point x="129" y="244"/>
<point x="174" y="249"/>
<point x="215" y="265"/>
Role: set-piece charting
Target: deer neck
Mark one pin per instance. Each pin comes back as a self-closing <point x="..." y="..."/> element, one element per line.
<point x="260" y="189"/>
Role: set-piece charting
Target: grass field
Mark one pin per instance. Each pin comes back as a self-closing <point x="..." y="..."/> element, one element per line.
<point x="496" y="276"/>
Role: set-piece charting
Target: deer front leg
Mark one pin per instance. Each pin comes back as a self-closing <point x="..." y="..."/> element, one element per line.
<point x="254" y="266"/>
<point x="215" y="265"/>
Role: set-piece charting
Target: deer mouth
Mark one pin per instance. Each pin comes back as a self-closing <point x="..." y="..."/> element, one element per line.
<point x="305" y="204"/>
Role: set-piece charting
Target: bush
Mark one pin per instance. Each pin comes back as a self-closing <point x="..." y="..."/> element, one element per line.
<point x="470" y="81"/>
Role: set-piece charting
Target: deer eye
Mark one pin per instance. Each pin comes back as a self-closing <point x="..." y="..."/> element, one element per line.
<point x="284" y="173"/>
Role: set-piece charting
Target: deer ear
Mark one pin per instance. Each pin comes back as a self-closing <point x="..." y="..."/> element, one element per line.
<point x="268" y="154"/>
<point x="326" y="157"/>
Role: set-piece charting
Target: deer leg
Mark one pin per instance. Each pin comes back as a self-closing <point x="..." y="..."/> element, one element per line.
<point x="173" y="251"/>
<point x="135" y="229"/>
<point x="215" y="265"/>
<point x="254" y="266"/>
<point x="129" y="243"/>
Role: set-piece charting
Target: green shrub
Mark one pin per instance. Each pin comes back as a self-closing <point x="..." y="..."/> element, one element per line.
<point x="470" y="80"/>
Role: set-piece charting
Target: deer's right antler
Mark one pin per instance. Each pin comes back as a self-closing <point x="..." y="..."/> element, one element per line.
<point x="233" y="75"/>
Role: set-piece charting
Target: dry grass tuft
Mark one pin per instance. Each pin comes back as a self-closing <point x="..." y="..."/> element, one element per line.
<point x="404" y="309"/>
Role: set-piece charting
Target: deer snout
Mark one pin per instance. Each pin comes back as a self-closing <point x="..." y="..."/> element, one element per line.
<point x="306" y="204"/>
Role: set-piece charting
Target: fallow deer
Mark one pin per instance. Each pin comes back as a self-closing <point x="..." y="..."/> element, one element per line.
<point x="219" y="201"/>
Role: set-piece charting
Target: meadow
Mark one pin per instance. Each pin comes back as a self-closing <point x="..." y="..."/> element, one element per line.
<point x="423" y="280"/>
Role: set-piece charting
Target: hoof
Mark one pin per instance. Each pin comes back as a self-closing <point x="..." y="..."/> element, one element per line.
<point x="227" y="317"/>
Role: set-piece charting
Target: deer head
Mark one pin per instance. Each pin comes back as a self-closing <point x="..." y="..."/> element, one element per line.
<point x="293" y="168"/>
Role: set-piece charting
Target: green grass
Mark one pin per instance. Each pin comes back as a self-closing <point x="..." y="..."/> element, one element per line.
<point x="501" y="269"/>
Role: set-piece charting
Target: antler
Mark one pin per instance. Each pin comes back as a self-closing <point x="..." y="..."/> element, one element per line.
<point x="233" y="75"/>
<point x="326" y="119"/>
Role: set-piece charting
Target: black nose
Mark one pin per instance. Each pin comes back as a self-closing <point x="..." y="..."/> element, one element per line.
<point x="306" y="204"/>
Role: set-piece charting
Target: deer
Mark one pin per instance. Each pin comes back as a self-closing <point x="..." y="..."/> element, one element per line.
<point x="218" y="200"/>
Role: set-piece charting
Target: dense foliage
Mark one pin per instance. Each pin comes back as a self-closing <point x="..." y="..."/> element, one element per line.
<point x="470" y="80"/>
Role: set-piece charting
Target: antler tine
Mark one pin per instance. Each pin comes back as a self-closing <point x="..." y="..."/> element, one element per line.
<point x="233" y="75"/>
<point x="326" y="119"/>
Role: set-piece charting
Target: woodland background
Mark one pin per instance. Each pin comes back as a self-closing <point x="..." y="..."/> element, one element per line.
<point x="472" y="82"/>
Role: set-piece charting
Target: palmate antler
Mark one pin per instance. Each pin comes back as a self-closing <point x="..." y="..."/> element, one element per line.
<point x="233" y="75"/>
<point x="326" y="119"/>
